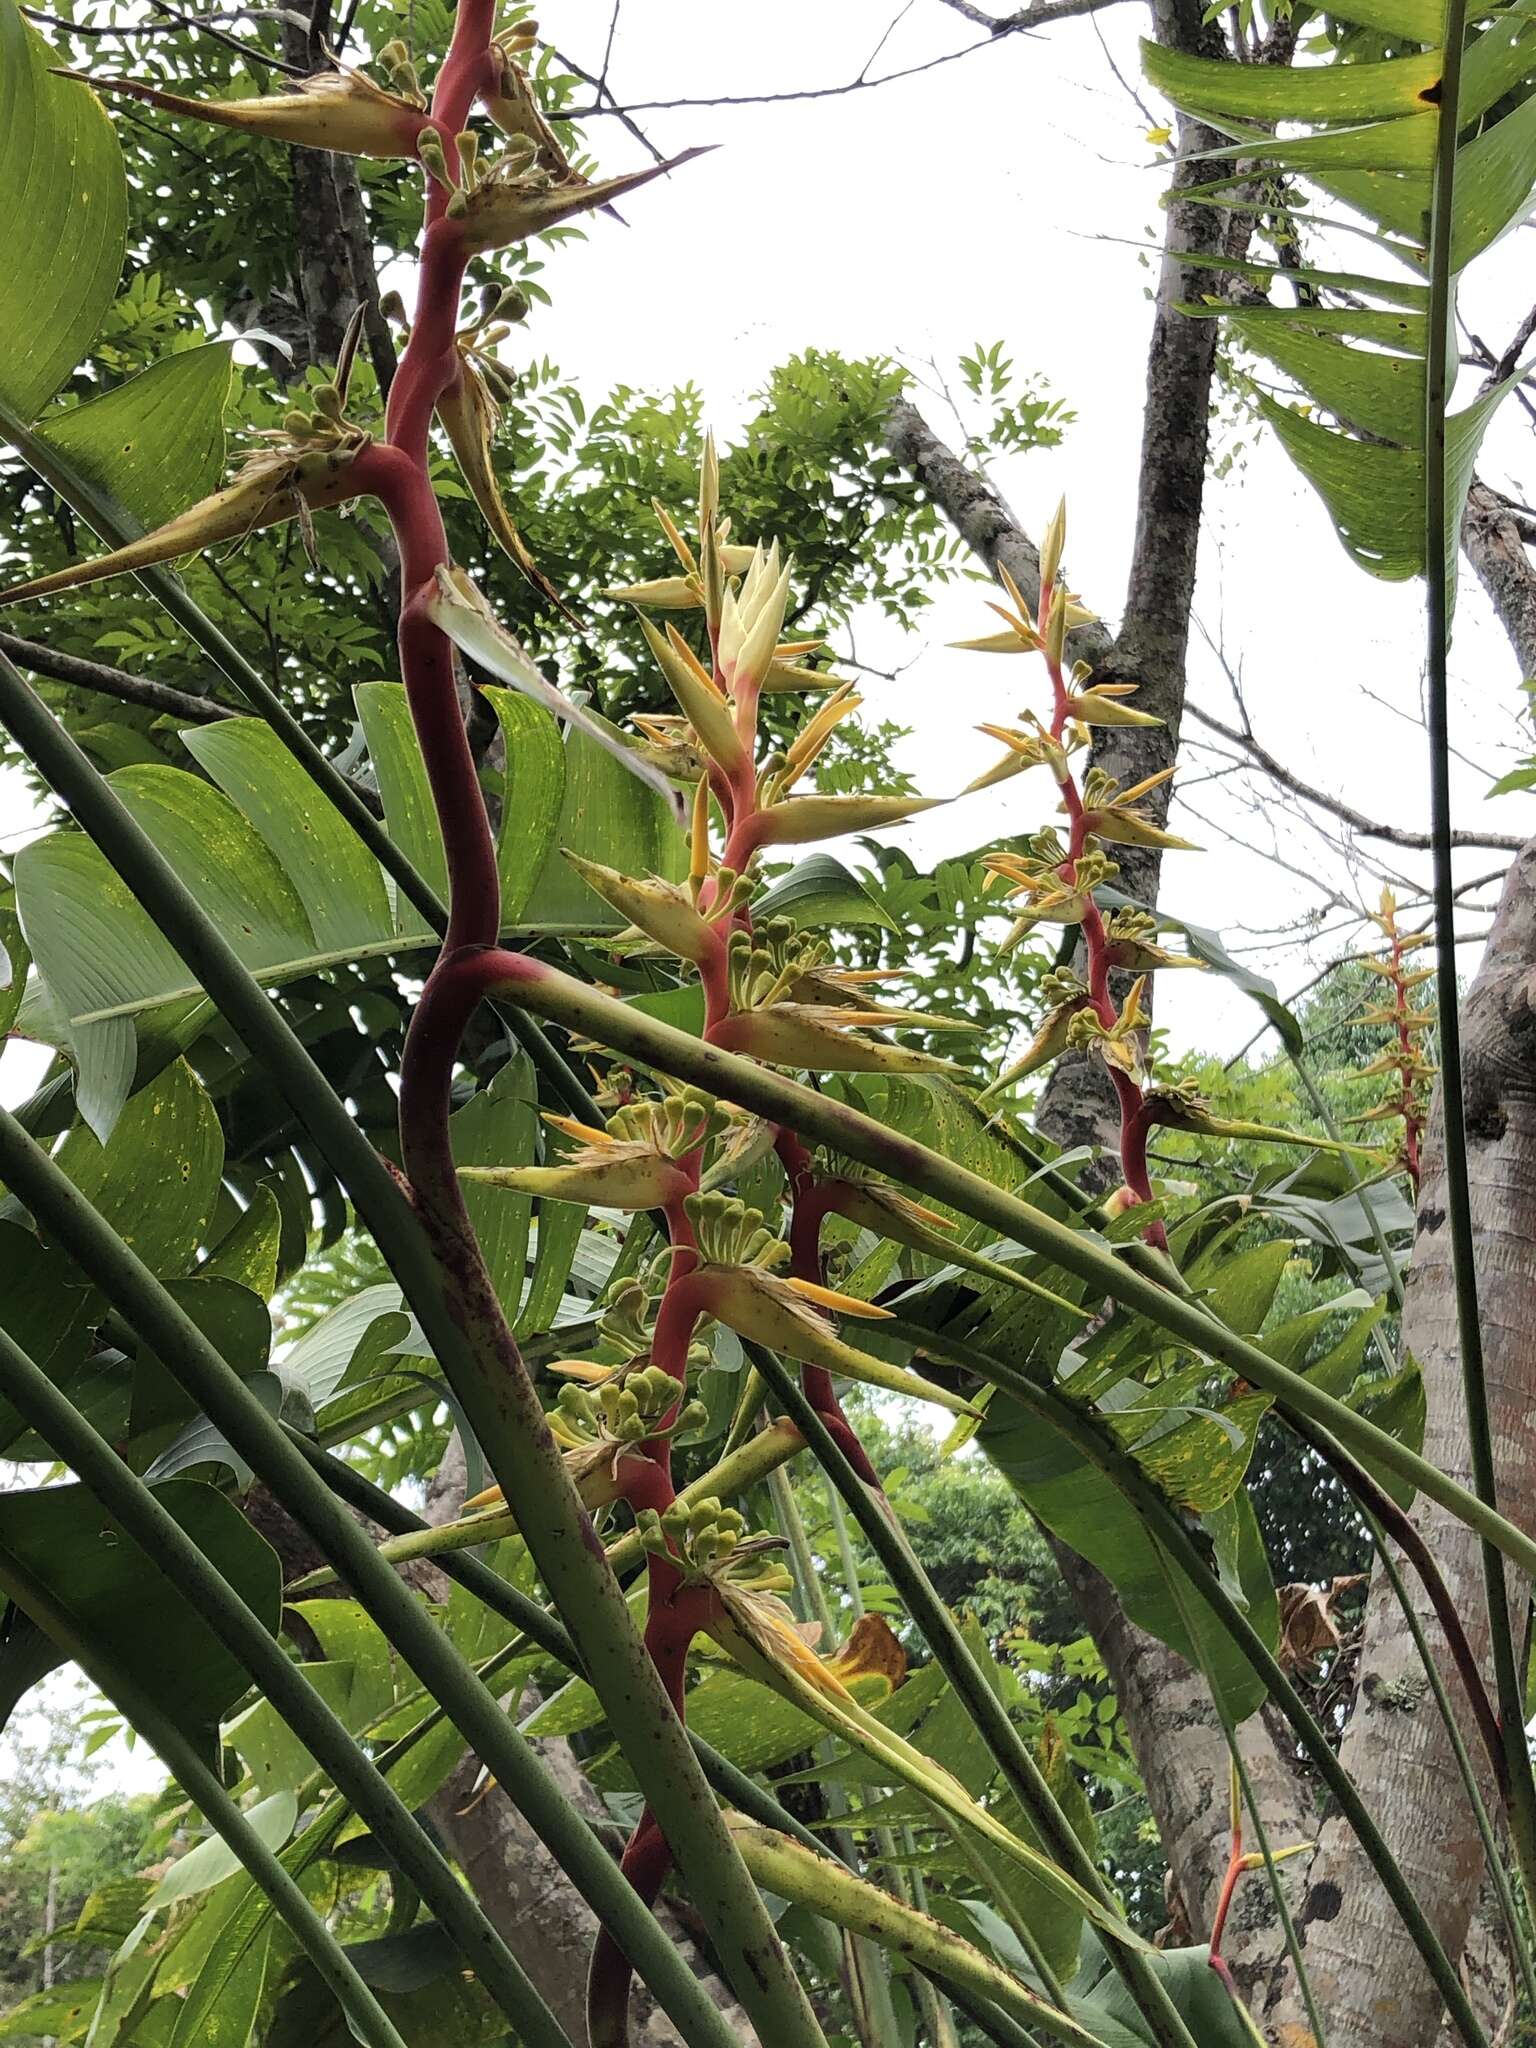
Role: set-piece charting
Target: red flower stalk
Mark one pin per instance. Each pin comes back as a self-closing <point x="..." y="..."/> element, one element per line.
<point x="1056" y="879"/>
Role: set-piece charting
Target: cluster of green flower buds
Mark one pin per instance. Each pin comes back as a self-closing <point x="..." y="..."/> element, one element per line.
<point x="627" y="1409"/>
<point x="709" y="1541"/>
<point x="675" y="1125"/>
<point x="1065" y="993"/>
<point x="765" y="964"/>
<point x="731" y="1234"/>
<point x="1036" y="879"/>
<point x="399" y="67"/>
<point x="1130" y="943"/>
<point x="1113" y="815"/>
<point x="701" y="1537"/>
<point x="327" y="425"/>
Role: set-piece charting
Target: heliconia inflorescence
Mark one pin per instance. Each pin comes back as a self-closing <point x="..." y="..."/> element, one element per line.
<point x="1403" y="1058"/>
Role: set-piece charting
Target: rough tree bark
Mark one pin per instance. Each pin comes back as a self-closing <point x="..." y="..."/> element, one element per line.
<point x="334" y="271"/>
<point x="1366" y="1975"/>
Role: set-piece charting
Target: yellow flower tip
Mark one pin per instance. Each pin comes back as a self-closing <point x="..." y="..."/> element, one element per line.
<point x="840" y="1304"/>
<point x="1017" y="623"/>
<point x="1014" y="592"/>
<point x="1053" y="543"/>
<point x="587" y="1133"/>
<point x="492" y="1497"/>
<point x="666" y="593"/>
<point x="1147" y="784"/>
<point x="680" y="547"/>
<point x="586" y="1370"/>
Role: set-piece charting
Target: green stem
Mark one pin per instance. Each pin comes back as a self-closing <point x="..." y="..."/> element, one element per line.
<point x="172" y="1552"/>
<point x="906" y="1881"/>
<point x="346" y="1429"/>
<point x="545" y="1631"/>
<point x="874" y="2013"/>
<point x="1442" y="523"/>
<point x="733" y="1475"/>
<point x="649" y="1042"/>
<point x="1329" y="1122"/>
<point x="1160" y="1520"/>
<point x="984" y="1870"/>
<point x="59" y="1207"/>
<point x="988" y="1714"/>
<point x="365" y="2016"/>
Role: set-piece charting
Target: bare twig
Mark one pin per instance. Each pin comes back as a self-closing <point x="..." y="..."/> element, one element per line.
<point x="1039" y="16"/>
<point x="111" y="682"/>
<point x="613" y="29"/>
<point x="604" y="92"/>
<point x="173" y="22"/>
<point x="1020" y="18"/>
<point x="1368" y="828"/>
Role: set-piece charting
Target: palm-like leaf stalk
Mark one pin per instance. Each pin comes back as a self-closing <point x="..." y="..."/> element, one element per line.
<point x="654" y="1044"/>
<point x="953" y="1655"/>
<point x="169" y="1550"/>
<point x="365" y="2016"/>
<point x="540" y="1627"/>
<point x="502" y="1406"/>
<point x="218" y="1390"/>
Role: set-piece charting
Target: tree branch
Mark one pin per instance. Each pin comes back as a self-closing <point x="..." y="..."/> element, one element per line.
<point x="1494" y="543"/>
<point x="1030" y="18"/>
<point x="111" y="682"/>
<point x="1368" y="828"/>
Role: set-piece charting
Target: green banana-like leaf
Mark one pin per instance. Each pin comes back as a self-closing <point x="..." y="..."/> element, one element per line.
<point x="1357" y="356"/>
<point x="287" y="880"/>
